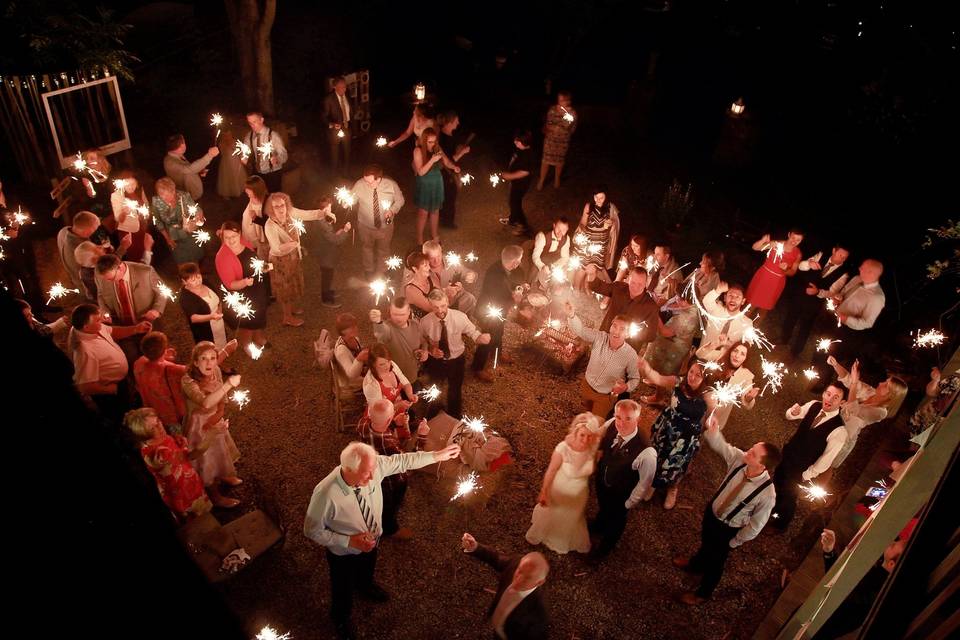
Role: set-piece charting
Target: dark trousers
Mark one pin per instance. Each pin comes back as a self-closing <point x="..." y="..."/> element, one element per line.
<point x="273" y="180"/>
<point x="517" y="216"/>
<point x="786" y="483"/>
<point x="452" y="371"/>
<point x="392" y="499"/>
<point x="326" y="284"/>
<point x="611" y="519"/>
<point x="339" y="150"/>
<point x="112" y="407"/>
<point x="711" y="557"/>
<point x="449" y="209"/>
<point x="495" y="328"/>
<point x="798" y="321"/>
<point x="346" y="574"/>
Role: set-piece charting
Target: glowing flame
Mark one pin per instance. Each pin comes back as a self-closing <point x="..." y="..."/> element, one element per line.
<point x="466" y="179"/>
<point x="466" y="486"/>
<point x="394" y="262"/>
<point x="930" y="338"/>
<point x="254" y="351"/>
<point x="381" y="141"/>
<point x="57" y="291"/>
<point x="240" y="397"/>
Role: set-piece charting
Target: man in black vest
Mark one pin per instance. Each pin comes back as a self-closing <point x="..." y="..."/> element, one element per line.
<point x="810" y="451"/>
<point x="617" y="475"/>
<point x="337" y="114"/>
<point x="518" y="610"/>
<point x="503" y="287"/>
<point x="807" y="297"/>
<point x="736" y="513"/>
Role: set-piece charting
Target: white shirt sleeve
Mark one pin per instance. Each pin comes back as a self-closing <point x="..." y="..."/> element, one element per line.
<point x="350" y="365"/>
<point x="803" y="411"/>
<point x="539" y="242"/>
<point x="834" y="443"/>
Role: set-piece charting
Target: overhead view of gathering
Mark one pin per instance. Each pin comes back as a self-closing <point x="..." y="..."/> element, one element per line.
<point x="578" y="320"/>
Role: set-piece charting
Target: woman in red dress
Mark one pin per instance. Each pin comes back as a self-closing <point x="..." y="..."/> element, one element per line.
<point x="386" y="381"/>
<point x="166" y="456"/>
<point x="783" y="258"/>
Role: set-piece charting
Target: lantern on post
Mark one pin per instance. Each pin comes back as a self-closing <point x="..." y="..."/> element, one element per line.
<point x="736" y="109"/>
<point x="420" y="91"/>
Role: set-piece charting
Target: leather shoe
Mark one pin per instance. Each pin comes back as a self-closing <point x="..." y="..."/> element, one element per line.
<point x="484" y="376"/>
<point x="691" y="598"/>
<point x="374" y="592"/>
<point x="683" y="563"/>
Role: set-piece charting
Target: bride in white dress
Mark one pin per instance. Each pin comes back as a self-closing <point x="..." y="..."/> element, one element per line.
<point x="559" y="518"/>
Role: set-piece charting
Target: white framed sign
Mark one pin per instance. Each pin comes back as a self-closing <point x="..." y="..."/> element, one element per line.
<point x="85" y="116"/>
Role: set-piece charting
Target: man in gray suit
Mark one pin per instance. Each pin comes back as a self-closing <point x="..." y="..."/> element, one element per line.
<point x="186" y="174"/>
<point x="127" y="293"/>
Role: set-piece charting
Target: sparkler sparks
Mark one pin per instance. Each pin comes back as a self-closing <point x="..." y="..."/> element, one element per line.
<point x="429" y="394"/>
<point x="830" y="305"/>
<point x="773" y="373"/>
<point x="242" y="149"/>
<point x="166" y="291"/>
<point x="240" y="397"/>
<point x="710" y="365"/>
<point x="265" y="150"/>
<point x="814" y="492"/>
<point x="777" y="248"/>
<point x="82" y="167"/>
<point x="297" y="223"/>
<point x="557" y="274"/>
<point x="574" y="262"/>
<point x="57" y="291"/>
<point x="567" y="115"/>
<point x="381" y="141"/>
<point x="254" y="351"/>
<point x="471" y="257"/>
<point x="635" y="328"/>
<point x="466" y="486"/>
<point x="810" y="373"/>
<point x="379" y="288"/>
<point x="495" y="312"/>
<point x="268" y="633"/>
<point x="21" y="218"/>
<point x="726" y="393"/>
<point x="341" y="134"/>
<point x="622" y="265"/>
<point x="495" y="179"/>
<point x="580" y="239"/>
<point x="452" y="259"/>
<point x="238" y="303"/>
<point x="823" y="344"/>
<point x="257" y="265"/>
<point x="475" y="425"/>
<point x="120" y="185"/>
<point x="192" y="210"/>
<point x="594" y="248"/>
<point x="215" y="121"/>
<point x="345" y="197"/>
<point x="466" y="179"/>
<point x="651" y="264"/>
<point x="201" y="237"/>
<point x="394" y="262"/>
<point x="755" y="337"/>
<point x="930" y="338"/>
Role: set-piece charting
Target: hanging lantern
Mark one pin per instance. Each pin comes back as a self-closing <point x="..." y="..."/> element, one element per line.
<point x="420" y="91"/>
<point x="737" y="107"/>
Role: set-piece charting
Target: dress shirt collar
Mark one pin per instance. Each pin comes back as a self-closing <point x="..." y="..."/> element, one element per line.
<point x="629" y="437"/>
<point x="872" y="285"/>
<point x="347" y="489"/>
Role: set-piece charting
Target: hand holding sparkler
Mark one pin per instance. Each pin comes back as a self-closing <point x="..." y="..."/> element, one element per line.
<point x="216" y="120"/>
<point x="468" y="543"/>
<point x="364" y="541"/>
<point x="828" y="540"/>
<point x="242" y="149"/>
<point x="447" y="453"/>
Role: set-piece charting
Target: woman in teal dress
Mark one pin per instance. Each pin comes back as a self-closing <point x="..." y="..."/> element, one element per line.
<point x="676" y="433"/>
<point x="171" y="214"/>
<point x="428" y="195"/>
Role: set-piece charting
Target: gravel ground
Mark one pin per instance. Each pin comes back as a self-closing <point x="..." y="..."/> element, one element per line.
<point x="288" y="443"/>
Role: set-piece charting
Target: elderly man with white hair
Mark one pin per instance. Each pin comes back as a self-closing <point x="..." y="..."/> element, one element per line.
<point x="386" y="430"/>
<point x="346" y="516"/>
<point x="451" y="278"/>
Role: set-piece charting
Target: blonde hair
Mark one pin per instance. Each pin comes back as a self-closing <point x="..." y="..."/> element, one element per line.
<point x="425" y="155"/>
<point x="86" y="220"/>
<point x="86" y="254"/>
<point x="586" y="419"/>
<point x="165" y="184"/>
<point x="431" y="246"/>
<point x="898" y="391"/>
<point x="269" y="204"/>
<point x="136" y="421"/>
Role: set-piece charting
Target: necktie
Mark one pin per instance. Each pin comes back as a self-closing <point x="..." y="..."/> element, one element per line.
<point x="377" y="222"/>
<point x="820" y="416"/>
<point x="617" y="442"/>
<point x="730" y="496"/>
<point x="123" y="297"/>
<point x="366" y="512"/>
<point x="726" y="327"/>
<point x="343" y="111"/>
<point x="444" y="343"/>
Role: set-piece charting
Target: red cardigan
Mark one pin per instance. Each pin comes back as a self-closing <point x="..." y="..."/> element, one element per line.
<point x="228" y="264"/>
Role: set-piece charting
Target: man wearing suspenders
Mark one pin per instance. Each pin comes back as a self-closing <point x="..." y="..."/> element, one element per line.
<point x="736" y="513"/>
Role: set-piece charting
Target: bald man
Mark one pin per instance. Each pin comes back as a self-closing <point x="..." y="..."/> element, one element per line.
<point x="518" y="609"/>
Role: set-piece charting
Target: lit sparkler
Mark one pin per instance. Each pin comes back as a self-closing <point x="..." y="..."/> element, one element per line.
<point x="622" y="265"/>
<point x="166" y="291"/>
<point x="495" y="179"/>
<point x="823" y="344"/>
<point x="777" y="249"/>
<point x="345" y="197"/>
<point x="830" y="305"/>
<point x="266" y="149"/>
<point x="726" y="393"/>
<point x="466" y="179"/>
<point x="120" y="185"/>
<point x="594" y="248"/>
<point x="651" y="264"/>
<point x="268" y="633"/>
<point x="471" y="257"/>
<point x="238" y="303"/>
<point x="381" y="141"/>
<point x="192" y="210"/>
<point x="710" y="365"/>
<point x="452" y="259"/>
<point x="257" y="265"/>
<point x="773" y="373"/>
<point x="215" y="121"/>
<point x="201" y="237"/>
<point x="81" y="166"/>
<point x="635" y="328"/>
<point x="810" y="373"/>
<point x="580" y="239"/>
<point x="429" y="394"/>
<point x="754" y="336"/>
<point x="341" y="134"/>
<point x="557" y="274"/>
<point x="242" y="149"/>
<point x="297" y="223"/>
<point x="241" y="397"/>
<point x="930" y="338"/>
<point x="495" y="312"/>
<point x="574" y="263"/>
<point x="379" y="288"/>
<point x="394" y="262"/>
<point x="57" y="291"/>
<point x="254" y="351"/>
<point x="567" y="115"/>
<point x="814" y="492"/>
<point x="21" y="218"/>
<point x="466" y="486"/>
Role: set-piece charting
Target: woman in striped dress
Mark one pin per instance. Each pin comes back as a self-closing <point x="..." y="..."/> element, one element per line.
<point x="595" y="240"/>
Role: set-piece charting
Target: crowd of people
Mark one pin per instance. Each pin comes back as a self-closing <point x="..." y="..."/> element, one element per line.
<point x="667" y="340"/>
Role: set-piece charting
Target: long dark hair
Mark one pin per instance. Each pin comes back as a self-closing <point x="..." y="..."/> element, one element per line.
<point x="727" y="369"/>
<point x="378" y="350"/>
<point x="689" y="391"/>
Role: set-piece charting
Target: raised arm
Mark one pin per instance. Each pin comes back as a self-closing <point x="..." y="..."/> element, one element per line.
<point x="648" y="372"/>
<point x="762" y="243"/>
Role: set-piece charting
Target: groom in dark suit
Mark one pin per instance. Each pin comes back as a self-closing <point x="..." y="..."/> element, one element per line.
<point x="616" y="476"/>
<point x="518" y="610"/>
<point x="337" y="115"/>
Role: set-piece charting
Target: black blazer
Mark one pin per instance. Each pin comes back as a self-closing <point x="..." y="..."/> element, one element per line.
<point x="528" y="620"/>
<point x="331" y="109"/>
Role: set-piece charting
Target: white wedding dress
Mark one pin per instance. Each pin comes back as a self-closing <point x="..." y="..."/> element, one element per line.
<point x="562" y="524"/>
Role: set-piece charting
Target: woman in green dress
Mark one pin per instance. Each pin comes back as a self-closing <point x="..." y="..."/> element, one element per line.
<point x="172" y="216"/>
<point x="428" y="195"/>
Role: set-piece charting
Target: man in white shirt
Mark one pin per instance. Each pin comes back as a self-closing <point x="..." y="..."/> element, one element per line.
<point x="725" y="324"/>
<point x="517" y="610"/>
<point x="379" y="199"/>
<point x="451" y="278"/>
<point x="185" y="174"/>
<point x="550" y="249"/>
<point x="804" y="298"/>
<point x="346" y="516"/>
<point x="810" y="451"/>
<point x="737" y="512"/>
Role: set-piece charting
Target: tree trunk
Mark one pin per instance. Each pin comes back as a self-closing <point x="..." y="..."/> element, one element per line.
<point x="251" y="28"/>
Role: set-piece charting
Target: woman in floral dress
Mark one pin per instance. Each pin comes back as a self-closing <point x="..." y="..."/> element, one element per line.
<point x="560" y="124"/>
<point x="171" y="211"/>
<point x="595" y="240"/>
